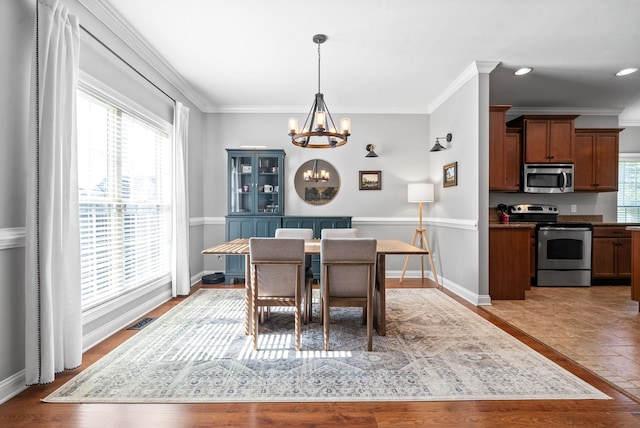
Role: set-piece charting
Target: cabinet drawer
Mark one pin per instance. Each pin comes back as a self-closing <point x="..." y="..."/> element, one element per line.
<point x="611" y="231"/>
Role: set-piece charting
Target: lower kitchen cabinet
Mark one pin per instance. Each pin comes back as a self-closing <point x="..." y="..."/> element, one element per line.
<point x="532" y="257"/>
<point x="509" y="263"/>
<point x="611" y="253"/>
<point x="635" y="254"/>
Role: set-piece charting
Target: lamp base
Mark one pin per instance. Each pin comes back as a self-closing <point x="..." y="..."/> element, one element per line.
<point x="420" y="235"/>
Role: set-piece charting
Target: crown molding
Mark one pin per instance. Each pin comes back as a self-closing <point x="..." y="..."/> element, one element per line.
<point x="305" y="109"/>
<point x="475" y="68"/>
<point x="628" y="122"/>
<point x="586" y="111"/>
<point x="119" y="26"/>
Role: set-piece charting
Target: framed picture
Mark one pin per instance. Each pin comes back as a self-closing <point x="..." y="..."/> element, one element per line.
<point x="245" y="169"/>
<point x="370" y="180"/>
<point x="450" y="174"/>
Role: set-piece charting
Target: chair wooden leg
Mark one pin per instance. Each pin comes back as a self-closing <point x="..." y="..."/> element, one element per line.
<point x="308" y="304"/>
<point x="297" y="321"/>
<point x="325" y="311"/>
<point x="254" y="292"/>
<point x="324" y="317"/>
<point x="370" y="310"/>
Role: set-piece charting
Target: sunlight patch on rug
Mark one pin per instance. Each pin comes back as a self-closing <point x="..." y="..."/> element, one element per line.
<point x="435" y="350"/>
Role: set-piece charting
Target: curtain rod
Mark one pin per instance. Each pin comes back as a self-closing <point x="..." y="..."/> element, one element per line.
<point x="125" y="62"/>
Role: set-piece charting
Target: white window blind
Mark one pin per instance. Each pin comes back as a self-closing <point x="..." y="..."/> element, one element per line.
<point x="629" y="189"/>
<point x="124" y="174"/>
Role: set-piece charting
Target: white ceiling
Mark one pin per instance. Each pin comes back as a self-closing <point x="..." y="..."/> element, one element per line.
<point x="393" y="56"/>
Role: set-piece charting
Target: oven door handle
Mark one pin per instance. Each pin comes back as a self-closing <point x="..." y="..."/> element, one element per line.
<point x="577" y="229"/>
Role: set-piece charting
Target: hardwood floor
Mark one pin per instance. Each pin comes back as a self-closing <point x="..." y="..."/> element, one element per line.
<point x="26" y="410"/>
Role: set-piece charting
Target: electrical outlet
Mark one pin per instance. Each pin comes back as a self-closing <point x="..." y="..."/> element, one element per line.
<point x="574" y="208"/>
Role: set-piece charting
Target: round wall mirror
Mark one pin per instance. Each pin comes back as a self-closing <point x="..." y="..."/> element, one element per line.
<point x="317" y="182"/>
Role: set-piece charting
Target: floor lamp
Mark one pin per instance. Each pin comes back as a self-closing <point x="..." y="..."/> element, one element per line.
<point x="421" y="192"/>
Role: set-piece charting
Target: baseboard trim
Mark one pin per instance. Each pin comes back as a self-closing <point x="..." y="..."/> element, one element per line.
<point x="12" y="237"/>
<point x="12" y="386"/>
<point x="115" y="325"/>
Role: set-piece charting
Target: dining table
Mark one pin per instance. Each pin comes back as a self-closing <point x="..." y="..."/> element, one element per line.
<point x="384" y="247"/>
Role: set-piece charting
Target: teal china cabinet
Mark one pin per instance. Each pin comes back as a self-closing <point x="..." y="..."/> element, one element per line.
<point x="255" y="202"/>
<point x="254" y="180"/>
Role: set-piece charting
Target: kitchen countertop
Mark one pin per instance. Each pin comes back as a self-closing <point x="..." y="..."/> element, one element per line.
<point x="595" y="220"/>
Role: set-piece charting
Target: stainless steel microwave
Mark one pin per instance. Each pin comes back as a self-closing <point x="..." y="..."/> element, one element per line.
<point x="547" y="178"/>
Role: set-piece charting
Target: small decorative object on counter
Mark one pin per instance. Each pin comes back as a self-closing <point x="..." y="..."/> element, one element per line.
<point x="502" y="211"/>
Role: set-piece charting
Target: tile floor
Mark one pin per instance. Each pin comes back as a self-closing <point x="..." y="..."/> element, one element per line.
<point x="598" y="327"/>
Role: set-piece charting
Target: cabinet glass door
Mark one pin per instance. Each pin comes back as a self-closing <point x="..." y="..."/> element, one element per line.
<point x="241" y="185"/>
<point x="269" y="191"/>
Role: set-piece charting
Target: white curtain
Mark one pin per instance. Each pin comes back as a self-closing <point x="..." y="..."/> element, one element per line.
<point x="181" y="278"/>
<point x="53" y="339"/>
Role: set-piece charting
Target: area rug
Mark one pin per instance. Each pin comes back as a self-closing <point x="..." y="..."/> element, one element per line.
<point x="435" y="349"/>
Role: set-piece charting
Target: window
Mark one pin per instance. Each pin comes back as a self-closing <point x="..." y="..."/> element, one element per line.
<point x="629" y="188"/>
<point x="124" y="181"/>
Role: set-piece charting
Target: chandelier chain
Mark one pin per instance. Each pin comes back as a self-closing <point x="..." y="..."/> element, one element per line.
<point x="319" y="67"/>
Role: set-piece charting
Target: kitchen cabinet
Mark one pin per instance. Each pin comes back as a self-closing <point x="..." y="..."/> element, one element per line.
<point x="611" y="252"/>
<point x="635" y="254"/>
<point x="509" y="263"/>
<point x="254" y="179"/>
<point x="532" y="256"/>
<point x="546" y="139"/>
<point x="596" y="159"/>
<point x="505" y="152"/>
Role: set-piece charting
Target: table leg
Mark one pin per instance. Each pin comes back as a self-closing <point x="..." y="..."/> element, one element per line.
<point x="380" y="301"/>
<point x="248" y="326"/>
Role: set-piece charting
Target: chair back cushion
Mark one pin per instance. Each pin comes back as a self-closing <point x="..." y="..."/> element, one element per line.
<point x="345" y="279"/>
<point x="277" y="280"/>
<point x="339" y="233"/>
<point x="290" y="232"/>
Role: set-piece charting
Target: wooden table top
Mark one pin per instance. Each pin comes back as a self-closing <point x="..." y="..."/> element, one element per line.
<point x="240" y="246"/>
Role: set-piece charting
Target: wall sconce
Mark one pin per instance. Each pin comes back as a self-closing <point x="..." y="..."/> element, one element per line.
<point x="437" y="146"/>
<point x="371" y="153"/>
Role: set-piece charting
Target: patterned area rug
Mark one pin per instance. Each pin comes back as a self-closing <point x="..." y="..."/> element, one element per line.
<point x="435" y="350"/>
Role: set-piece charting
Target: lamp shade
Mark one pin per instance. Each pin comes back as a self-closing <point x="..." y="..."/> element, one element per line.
<point x="420" y="192"/>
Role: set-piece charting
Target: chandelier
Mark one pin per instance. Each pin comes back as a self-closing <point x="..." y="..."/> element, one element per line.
<point x="316" y="175"/>
<point x="319" y="122"/>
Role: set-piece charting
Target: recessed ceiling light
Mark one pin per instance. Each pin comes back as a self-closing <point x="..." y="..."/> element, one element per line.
<point x="523" y="71"/>
<point x="626" y="71"/>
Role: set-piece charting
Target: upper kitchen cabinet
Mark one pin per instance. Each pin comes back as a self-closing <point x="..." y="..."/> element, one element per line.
<point x="547" y="139"/>
<point x="505" y="152"/>
<point x="596" y="155"/>
<point x="255" y="182"/>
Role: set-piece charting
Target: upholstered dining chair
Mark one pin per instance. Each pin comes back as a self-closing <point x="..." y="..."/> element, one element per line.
<point x="347" y="279"/>
<point x="302" y="233"/>
<point x="339" y="233"/>
<point x="277" y="275"/>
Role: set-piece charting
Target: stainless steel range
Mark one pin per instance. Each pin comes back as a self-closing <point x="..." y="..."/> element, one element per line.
<point x="563" y="249"/>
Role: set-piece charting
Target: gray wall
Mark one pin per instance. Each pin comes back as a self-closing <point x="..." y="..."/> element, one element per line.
<point x="16" y="25"/>
<point x="401" y="141"/>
